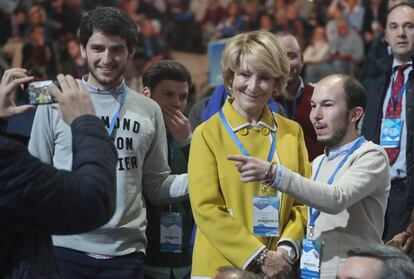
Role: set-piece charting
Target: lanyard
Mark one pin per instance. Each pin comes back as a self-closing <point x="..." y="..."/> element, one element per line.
<point x="397" y="99"/>
<point x="240" y="145"/>
<point x="315" y="213"/>
<point x="113" y="120"/>
<point x="273" y="105"/>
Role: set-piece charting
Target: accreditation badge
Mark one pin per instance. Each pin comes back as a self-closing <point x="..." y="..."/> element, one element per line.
<point x="171" y="232"/>
<point x="391" y="132"/>
<point x="310" y="261"/>
<point x="266" y="216"/>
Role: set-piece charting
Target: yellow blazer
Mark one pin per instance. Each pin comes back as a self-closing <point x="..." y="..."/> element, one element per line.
<point x="222" y="205"/>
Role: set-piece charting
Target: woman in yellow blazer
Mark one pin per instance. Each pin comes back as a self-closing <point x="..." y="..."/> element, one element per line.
<point x="232" y="223"/>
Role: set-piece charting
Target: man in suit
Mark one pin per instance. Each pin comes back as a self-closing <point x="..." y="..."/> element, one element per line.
<point x="389" y="121"/>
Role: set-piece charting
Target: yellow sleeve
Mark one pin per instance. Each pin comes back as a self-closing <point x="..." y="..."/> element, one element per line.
<point x="226" y="234"/>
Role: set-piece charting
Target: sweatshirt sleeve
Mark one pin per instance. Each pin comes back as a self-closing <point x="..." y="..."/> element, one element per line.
<point x="158" y="186"/>
<point x="368" y="173"/>
<point x="41" y="143"/>
<point x="36" y="197"/>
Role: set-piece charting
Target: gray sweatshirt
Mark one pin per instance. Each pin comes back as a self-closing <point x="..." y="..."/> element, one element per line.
<point x="139" y="136"/>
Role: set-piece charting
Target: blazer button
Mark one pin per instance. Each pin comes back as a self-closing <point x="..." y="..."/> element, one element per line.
<point x="244" y="132"/>
<point x="265" y="131"/>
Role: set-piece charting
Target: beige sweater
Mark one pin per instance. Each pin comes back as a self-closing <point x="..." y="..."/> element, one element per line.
<point x="352" y="207"/>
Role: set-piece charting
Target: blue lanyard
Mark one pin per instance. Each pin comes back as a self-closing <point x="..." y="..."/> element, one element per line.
<point x="395" y="101"/>
<point x="273" y="105"/>
<point x="314" y="214"/>
<point x="113" y="120"/>
<point x="240" y="145"/>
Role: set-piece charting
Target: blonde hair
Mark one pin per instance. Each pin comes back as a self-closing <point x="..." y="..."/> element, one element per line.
<point x="262" y="51"/>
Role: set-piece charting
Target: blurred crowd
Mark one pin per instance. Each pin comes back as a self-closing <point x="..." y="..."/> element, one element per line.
<point x="336" y="35"/>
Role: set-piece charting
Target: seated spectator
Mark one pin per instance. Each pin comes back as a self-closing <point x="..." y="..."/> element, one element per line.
<point x="346" y="51"/>
<point x="151" y="44"/>
<point x="74" y="64"/>
<point x="252" y="10"/>
<point x="353" y="11"/>
<point x="63" y="16"/>
<point x="13" y="31"/>
<point x="38" y="17"/>
<point x="281" y="21"/>
<point x="213" y="14"/>
<point x="318" y="13"/>
<point x="183" y="26"/>
<point x="376" y="261"/>
<point x="38" y="54"/>
<point x="314" y="54"/>
<point x="267" y="23"/>
<point x="374" y="20"/>
<point x="296" y="25"/>
<point x="138" y="10"/>
<point x="232" y="24"/>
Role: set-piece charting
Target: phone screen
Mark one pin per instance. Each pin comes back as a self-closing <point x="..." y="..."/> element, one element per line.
<point x="37" y="93"/>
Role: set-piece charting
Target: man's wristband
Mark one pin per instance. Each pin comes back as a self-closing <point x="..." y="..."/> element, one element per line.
<point x="270" y="175"/>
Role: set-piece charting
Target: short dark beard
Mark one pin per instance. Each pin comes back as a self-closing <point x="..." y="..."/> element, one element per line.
<point x="339" y="134"/>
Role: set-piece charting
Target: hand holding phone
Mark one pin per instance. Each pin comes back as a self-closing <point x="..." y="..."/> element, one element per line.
<point x="73" y="99"/>
<point x="11" y="80"/>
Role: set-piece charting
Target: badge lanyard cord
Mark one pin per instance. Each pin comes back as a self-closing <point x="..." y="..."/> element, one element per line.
<point x="315" y="213"/>
<point x="116" y="114"/>
<point x="238" y="142"/>
<point x="396" y="100"/>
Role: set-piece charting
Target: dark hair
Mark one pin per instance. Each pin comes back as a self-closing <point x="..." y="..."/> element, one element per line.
<point x="109" y="21"/>
<point x="396" y="265"/>
<point x="165" y="69"/>
<point x="72" y="38"/>
<point x="404" y="4"/>
<point x="356" y="95"/>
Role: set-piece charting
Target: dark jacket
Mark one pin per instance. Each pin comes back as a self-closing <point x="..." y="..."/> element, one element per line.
<point x="371" y="126"/>
<point x="37" y="200"/>
<point x="178" y="160"/>
<point x="299" y="112"/>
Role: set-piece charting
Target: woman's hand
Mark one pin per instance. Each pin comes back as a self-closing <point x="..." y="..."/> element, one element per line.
<point x="251" y="169"/>
<point x="277" y="265"/>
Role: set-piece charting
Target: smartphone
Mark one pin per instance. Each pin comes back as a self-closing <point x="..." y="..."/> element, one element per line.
<point x="37" y="93"/>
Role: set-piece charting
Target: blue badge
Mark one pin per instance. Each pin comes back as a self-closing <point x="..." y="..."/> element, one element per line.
<point x="391" y="132"/>
<point x="171" y="232"/>
<point x="310" y="261"/>
<point x="266" y="216"/>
